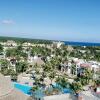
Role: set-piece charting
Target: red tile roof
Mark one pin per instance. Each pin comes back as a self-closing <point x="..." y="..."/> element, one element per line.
<point x="85" y="65"/>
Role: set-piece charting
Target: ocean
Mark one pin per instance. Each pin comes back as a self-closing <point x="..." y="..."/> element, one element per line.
<point x="81" y="43"/>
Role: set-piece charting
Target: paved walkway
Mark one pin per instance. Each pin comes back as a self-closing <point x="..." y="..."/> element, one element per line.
<point x="61" y="97"/>
<point x="88" y="96"/>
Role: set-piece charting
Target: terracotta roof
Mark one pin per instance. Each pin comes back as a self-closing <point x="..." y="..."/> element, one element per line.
<point x="85" y="65"/>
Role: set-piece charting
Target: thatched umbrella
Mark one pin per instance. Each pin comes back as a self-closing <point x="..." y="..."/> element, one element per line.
<point x="8" y="92"/>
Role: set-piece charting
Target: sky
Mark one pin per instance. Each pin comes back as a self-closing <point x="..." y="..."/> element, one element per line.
<point x="68" y="20"/>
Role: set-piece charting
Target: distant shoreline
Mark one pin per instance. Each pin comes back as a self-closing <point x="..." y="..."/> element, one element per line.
<point x="81" y="43"/>
<point x="73" y="43"/>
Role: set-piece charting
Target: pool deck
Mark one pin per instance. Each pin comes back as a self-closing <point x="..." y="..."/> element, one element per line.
<point x="89" y="96"/>
<point x="61" y="97"/>
<point x="24" y="78"/>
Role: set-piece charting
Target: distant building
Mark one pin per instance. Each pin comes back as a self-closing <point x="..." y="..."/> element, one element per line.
<point x="26" y="44"/>
<point x="11" y="43"/>
<point x="58" y="44"/>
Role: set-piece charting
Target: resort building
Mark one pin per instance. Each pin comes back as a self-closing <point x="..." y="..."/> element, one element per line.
<point x="11" y="43"/>
<point x="26" y="44"/>
<point x="57" y="44"/>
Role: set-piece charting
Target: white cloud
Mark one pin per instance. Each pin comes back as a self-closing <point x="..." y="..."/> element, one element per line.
<point x="7" y="22"/>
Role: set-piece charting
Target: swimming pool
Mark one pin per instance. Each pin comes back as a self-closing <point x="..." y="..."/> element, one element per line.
<point x="63" y="90"/>
<point x="24" y="88"/>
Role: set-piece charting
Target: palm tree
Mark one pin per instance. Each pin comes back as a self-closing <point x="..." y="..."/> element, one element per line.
<point x="13" y="74"/>
<point x="33" y="91"/>
<point x="73" y="69"/>
<point x="1" y="48"/>
<point x="11" y="52"/>
<point x="62" y="82"/>
<point x="86" y="76"/>
<point x="52" y="75"/>
<point x="97" y="83"/>
<point x="4" y="64"/>
<point x="21" y="67"/>
<point x="76" y="87"/>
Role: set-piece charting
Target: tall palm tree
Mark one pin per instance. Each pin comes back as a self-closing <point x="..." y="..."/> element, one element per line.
<point x="73" y="69"/>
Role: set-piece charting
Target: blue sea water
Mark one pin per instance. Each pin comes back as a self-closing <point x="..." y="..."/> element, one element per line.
<point x="81" y="43"/>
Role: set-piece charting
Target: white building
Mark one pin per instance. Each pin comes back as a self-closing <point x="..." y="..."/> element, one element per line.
<point x="26" y="44"/>
<point x="11" y="43"/>
<point x="58" y="44"/>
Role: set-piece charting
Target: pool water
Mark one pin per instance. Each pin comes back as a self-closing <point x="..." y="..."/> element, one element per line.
<point x="24" y="88"/>
<point x="64" y="90"/>
<point x="39" y="93"/>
